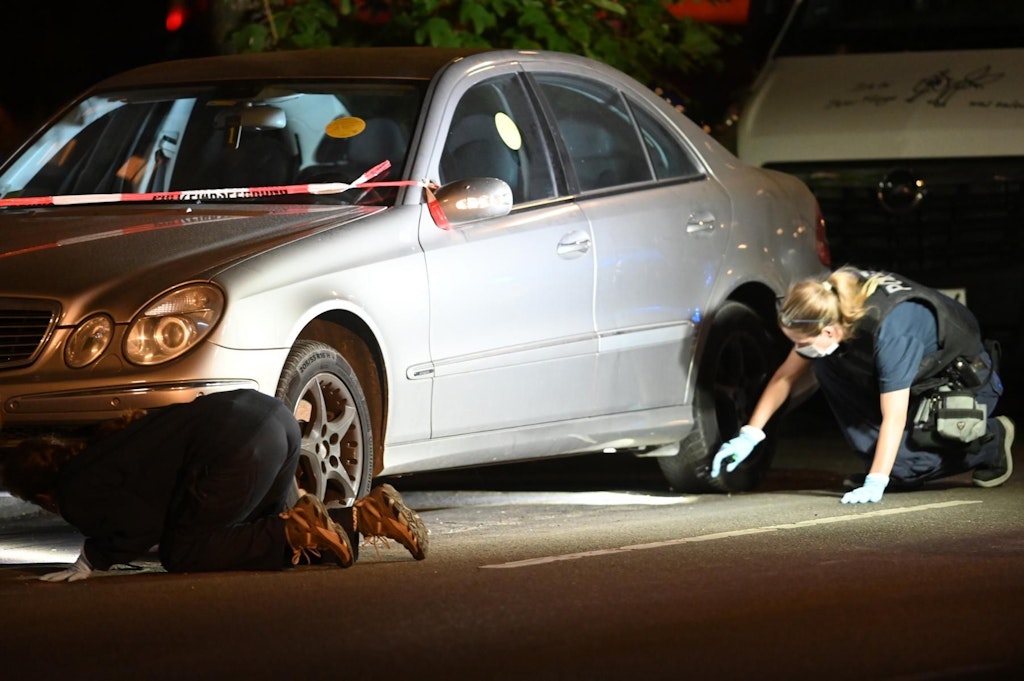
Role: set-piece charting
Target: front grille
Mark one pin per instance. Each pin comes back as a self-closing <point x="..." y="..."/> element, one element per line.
<point x="24" y="327"/>
<point x="966" y="232"/>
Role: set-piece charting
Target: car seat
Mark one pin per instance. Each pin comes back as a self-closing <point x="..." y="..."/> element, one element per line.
<point x="475" y="149"/>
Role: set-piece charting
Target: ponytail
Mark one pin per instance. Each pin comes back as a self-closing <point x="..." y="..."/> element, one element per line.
<point x="840" y="299"/>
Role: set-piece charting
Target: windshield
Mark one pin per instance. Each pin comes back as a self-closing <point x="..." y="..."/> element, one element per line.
<point x="822" y="27"/>
<point x="172" y="141"/>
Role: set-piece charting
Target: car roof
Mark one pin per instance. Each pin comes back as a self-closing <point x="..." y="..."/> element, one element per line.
<point x="339" y="62"/>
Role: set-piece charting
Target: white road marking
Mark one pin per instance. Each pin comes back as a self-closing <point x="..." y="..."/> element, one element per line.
<point x="436" y="499"/>
<point x="714" y="536"/>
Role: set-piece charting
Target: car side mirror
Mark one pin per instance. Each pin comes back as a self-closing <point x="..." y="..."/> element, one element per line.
<point x="468" y="200"/>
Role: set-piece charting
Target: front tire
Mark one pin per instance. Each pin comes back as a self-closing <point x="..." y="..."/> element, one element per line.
<point x="739" y="357"/>
<point x="323" y="392"/>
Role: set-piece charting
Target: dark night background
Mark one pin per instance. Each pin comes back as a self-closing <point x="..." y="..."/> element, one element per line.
<point x="53" y="50"/>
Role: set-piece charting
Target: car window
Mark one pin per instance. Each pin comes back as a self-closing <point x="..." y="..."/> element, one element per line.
<point x="669" y="158"/>
<point x="225" y="136"/>
<point x="104" y="149"/>
<point x="495" y="133"/>
<point x="598" y="131"/>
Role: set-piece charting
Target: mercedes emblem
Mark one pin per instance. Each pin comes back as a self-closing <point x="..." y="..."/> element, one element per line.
<point x="900" y="191"/>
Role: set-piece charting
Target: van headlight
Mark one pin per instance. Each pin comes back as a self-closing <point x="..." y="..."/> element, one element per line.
<point x="173" y="324"/>
<point x="88" y="341"/>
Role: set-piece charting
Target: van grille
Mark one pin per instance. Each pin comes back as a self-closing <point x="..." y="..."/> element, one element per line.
<point x="24" y="327"/>
<point x="966" y="232"/>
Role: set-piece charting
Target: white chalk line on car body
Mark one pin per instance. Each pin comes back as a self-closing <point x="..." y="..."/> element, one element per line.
<point x="715" y="536"/>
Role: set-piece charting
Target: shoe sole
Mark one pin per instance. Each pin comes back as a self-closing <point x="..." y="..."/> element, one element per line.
<point x="408" y="528"/>
<point x="1008" y="427"/>
<point x="315" y="517"/>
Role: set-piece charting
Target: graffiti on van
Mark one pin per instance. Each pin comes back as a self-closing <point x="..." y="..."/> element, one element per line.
<point x="943" y="85"/>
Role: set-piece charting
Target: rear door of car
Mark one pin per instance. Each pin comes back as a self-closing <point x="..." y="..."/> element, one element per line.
<point x="660" y="230"/>
<point x="511" y="299"/>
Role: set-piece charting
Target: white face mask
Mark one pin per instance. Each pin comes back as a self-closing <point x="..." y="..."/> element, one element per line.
<point x="811" y="352"/>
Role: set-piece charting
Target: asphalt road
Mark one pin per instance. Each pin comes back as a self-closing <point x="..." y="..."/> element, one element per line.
<point x="584" y="569"/>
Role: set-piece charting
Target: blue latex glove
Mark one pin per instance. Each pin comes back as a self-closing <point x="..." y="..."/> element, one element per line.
<point x="736" y="450"/>
<point x="80" y="570"/>
<point x="871" y="492"/>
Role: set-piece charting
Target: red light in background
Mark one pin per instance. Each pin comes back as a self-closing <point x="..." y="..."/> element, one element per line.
<point x="175" y="17"/>
<point x="720" y="12"/>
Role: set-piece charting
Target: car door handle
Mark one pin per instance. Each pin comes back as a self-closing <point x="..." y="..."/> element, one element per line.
<point x="573" y="245"/>
<point x="703" y="221"/>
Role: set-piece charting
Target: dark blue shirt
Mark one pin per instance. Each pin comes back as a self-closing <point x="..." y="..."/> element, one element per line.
<point x="905" y="336"/>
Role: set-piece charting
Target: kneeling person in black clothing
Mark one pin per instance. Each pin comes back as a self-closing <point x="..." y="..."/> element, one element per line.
<point x="207" y="482"/>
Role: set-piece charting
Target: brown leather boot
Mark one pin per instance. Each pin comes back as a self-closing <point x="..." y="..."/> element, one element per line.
<point x="310" y="530"/>
<point x="382" y="514"/>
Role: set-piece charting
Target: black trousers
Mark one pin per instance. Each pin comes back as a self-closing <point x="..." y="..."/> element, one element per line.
<point x="225" y="515"/>
<point x="859" y="414"/>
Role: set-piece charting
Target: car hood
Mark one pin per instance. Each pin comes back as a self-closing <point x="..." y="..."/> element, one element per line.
<point x="116" y="259"/>
<point x="885" y="106"/>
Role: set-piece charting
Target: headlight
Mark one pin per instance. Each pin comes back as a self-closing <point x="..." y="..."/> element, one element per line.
<point x="88" y="341"/>
<point x="173" y="324"/>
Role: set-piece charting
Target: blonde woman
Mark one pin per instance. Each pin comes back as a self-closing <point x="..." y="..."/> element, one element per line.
<point x="873" y="341"/>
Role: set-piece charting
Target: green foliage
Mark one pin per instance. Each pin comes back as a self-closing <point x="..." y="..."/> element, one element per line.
<point x="639" y="37"/>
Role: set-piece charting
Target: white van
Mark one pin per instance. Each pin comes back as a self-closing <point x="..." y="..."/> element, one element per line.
<point x="906" y="119"/>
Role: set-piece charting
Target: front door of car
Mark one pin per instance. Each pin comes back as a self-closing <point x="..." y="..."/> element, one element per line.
<point x="660" y="228"/>
<point x="668" y="243"/>
<point x="511" y="299"/>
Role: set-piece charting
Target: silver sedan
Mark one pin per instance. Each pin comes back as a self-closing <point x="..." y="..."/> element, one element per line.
<point x="437" y="258"/>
